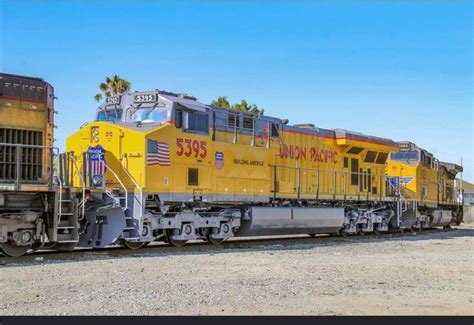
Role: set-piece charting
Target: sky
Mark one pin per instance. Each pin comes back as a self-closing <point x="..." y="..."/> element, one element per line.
<point x="396" y="69"/>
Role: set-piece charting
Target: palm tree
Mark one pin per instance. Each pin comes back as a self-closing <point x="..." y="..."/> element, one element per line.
<point x="243" y="106"/>
<point x="112" y="86"/>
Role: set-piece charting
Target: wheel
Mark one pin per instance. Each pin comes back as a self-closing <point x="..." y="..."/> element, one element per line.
<point x="376" y="232"/>
<point x="133" y="245"/>
<point x="12" y="250"/>
<point x="344" y="234"/>
<point x="173" y="242"/>
<point x="214" y="241"/>
<point x="312" y="235"/>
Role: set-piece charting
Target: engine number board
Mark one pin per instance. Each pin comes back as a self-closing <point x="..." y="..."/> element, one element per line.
<point x="112" y="100"/>
<point x="145" y="98"/>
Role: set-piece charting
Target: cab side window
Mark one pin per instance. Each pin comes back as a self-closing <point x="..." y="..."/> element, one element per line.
<point x="275" y="130"/>
<point x="101" y="117"/>
<point x="197" y="122"/>
<point x="178" y="118"/>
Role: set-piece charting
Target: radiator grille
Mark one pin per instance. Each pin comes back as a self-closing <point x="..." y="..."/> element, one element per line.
<point x="31" y="159"/>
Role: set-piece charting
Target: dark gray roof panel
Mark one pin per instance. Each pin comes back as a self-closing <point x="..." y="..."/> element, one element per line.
<point x="311" y="131"/>
<point x="191" y="104"/>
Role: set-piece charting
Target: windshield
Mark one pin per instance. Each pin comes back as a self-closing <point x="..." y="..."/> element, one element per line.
<point x="410" y="155"/>
<point x="111" y="115"/>
<point x="158" y="114"/>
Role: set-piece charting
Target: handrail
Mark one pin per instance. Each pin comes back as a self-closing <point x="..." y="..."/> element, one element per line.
<point x="27" y="145"/>
<point x="140" y="189"/>
<point x="363" y="177"/>
<point x="121" y="183"/>
<point x="400" y="208"/>
<point x="60" y="181"/>
<point x="81" y="176"/>
<point x="324" y="170"/>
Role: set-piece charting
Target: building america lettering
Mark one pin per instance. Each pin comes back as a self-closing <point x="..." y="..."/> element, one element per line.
<point x="248" y="162"/>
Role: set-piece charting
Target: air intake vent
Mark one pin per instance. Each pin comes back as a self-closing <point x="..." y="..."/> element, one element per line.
<point x="30" y="159"/>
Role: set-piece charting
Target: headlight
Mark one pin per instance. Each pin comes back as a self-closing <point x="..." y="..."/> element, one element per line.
<point x="97" y="180"/>
<point x="95" y="134"/>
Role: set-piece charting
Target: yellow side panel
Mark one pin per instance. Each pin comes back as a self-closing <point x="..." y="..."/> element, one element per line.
<point x="124" y="152"/>
<point x="225" y="187"/>
<point x="308" y="166"/>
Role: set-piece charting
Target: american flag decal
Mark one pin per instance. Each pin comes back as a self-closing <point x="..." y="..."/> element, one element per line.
<point x="97" y="168"/>
<point x="158" y="153"/>
<point x="96" y="163"/>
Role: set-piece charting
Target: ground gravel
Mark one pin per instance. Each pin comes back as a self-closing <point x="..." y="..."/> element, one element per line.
<point x="428" y="274"/>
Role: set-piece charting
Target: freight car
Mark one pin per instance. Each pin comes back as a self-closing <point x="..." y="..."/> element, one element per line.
<point x="162" y="166"/>
<point x="28" y="198"/>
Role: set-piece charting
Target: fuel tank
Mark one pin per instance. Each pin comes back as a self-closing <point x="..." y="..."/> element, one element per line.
<point x="267" y="221"/>
<point x="441" y="218"/>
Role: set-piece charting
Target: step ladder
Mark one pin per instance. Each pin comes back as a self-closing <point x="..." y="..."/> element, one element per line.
<point x="67" y="232"/>
<point x="406" y="210"/>
<point x="130" y="231"/>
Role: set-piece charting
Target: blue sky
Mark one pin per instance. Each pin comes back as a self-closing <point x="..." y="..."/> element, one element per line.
<point x="401" y="70"/>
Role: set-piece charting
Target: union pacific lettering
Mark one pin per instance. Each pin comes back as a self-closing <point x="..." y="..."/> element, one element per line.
<point x="315" y="154"/>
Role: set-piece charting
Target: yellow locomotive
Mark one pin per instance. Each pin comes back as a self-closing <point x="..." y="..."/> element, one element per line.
<point x="163" y="166"/>
<point x="426" y="185"/>
<point x="28" y="198"/>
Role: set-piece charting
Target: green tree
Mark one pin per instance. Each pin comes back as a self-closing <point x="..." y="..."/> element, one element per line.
<point x="112" y="86"/>
<point x="243" y="106"/>
<point x="221" y="102"/>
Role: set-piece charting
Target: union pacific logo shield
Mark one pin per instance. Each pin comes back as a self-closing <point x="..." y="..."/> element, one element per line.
<point x="96" y="165"/>
<point x="219" y="160"/>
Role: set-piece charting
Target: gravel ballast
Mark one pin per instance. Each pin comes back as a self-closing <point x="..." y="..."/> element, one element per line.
<point x="427" y="274"/>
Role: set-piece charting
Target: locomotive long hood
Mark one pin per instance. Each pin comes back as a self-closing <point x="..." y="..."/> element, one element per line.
<point x="354" y="139"/>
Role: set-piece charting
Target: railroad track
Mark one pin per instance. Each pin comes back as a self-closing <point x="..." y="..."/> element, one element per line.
<point x="251" y="243"/>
